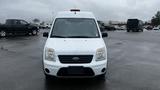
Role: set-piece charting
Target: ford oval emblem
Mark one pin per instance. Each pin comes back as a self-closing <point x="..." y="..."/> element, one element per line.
<point x="75" y="58"/>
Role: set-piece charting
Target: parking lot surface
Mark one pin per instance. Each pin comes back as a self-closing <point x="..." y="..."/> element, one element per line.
<point x="133" y="64"/>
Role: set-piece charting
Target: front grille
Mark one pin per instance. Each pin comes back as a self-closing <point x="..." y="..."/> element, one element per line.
<point x="75" y="71"/>
<point x="75" y="59"/>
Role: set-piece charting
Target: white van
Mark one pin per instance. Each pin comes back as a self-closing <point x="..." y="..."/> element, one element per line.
<point x="75" y="47"/>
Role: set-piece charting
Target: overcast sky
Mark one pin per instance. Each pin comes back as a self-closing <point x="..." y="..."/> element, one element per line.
<point x="116" y="10"/>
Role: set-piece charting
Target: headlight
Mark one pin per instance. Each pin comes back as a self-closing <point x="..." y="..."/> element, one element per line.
<point x="101" y="54"/>
<point x="49" y="54"/>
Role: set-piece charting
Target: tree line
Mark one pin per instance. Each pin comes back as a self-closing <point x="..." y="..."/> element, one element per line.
<point x="155" y="21"/>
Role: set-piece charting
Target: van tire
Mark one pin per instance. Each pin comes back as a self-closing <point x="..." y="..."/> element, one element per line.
<point x="49" y="77"/>
<point x="141" y="30"/>
<point x="102" y="77"/>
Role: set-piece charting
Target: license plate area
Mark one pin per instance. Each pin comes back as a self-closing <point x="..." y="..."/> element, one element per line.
<point x="75" y="70"/>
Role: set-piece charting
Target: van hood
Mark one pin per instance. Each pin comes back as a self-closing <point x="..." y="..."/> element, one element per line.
<point x="74" y="46"/>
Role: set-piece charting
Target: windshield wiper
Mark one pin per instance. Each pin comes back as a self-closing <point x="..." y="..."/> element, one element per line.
<point x="80" y="37"/>
<point x="58" y="36"/>
<point x="71" y="36"/>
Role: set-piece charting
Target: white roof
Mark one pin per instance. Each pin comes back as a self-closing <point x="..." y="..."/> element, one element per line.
<point x="69" y="14"/>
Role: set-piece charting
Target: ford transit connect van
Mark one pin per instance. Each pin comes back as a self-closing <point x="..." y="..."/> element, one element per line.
<point x="75" y="47"/>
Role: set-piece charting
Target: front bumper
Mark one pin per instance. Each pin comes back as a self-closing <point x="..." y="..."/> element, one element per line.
<point x="91" y="70"/>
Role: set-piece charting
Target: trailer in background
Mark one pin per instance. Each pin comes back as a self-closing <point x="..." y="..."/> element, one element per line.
<point x="134" y="25"/>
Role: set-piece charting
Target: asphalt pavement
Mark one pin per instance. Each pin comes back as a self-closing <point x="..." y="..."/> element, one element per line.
<point x="133" y="64"/>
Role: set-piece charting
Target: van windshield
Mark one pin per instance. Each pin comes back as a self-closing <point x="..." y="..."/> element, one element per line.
<point x="132" y="22"/>
<point x="75" y="28"/>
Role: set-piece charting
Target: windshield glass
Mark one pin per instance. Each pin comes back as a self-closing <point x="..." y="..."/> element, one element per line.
<point x="132" y="22"/>
<point x="75" y="28"/>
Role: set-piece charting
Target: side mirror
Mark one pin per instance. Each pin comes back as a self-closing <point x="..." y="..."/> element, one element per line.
<point x="104" y="34"/>
<point x="45" y="34"/>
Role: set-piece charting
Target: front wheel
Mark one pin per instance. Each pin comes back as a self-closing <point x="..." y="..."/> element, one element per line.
<point x="3" y="34"/>
<point x="50" y="78"/>
<point x="102" y="77"/>
<point x="34" y="32"/>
